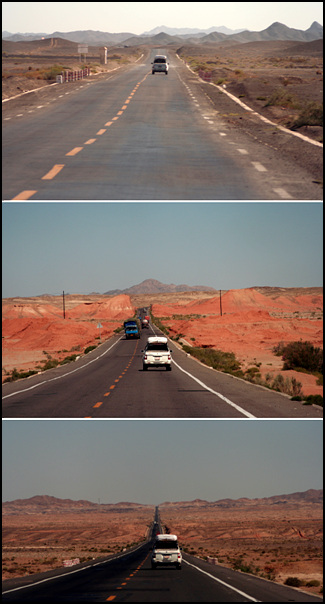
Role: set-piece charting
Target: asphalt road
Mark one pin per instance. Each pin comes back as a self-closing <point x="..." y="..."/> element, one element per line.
<point x="131" y="135"/>
<point x="129" y="578"/>
<point x="109" y="382"/>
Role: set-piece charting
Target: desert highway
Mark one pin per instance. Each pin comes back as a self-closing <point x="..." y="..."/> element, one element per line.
<point x="109" y="382"/>
<point x="128" y="577"/>
<point x="131" y="135"/>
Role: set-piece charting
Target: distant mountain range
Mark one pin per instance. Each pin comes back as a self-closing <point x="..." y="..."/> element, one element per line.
<point x="167" y="35"/>
<point x="152" y="286"/>
<point x="47" y="504"/>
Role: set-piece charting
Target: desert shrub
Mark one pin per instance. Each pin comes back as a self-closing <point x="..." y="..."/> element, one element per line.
<point x="303" y="355"/>
<point x="314" y="399"/>
<point x="313" y="583"/>
<point x="89" y="348"/>
<point x="217" y="359"/>
<point x="293" y="582"/>
<point x="288" y="386"/>
<point x="50" y="364"/>
<point x="252" y="373"/>
<point x="71" y="357"/>
<point x="283" y="98"/>
<point x="19" y="375"/>
<point x="310" y="115"/>
<point x="278" y="349"/>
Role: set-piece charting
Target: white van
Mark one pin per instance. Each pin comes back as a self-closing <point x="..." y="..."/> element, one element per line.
<point x="166" y="551"/>
<point x="157" y="353"/>
<point x="159" y="64"/>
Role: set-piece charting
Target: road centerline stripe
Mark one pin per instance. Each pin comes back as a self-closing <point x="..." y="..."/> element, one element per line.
<point x="74" y="151"/>
<point x="24" y="195"/>
<point x="53" y="172"/>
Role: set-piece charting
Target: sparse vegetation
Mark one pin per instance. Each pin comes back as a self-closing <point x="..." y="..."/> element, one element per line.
<point x="217" y="359"/>
<point x="89" y="348"/>
<point x="300" y="355"/>
<point x="293" y="582"/>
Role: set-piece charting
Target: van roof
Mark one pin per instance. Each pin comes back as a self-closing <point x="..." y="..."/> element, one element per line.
<point x="157" y="339"/>
<point x="166" y="537"/>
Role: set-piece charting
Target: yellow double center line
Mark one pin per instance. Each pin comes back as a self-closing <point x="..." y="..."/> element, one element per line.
<point x="24" y="195"/>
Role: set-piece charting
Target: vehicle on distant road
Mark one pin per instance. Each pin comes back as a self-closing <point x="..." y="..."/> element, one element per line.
<point x="132" y="329"/>
<point x="160" y="64"/>
<point x="157" y="353"/>
<point x="166" y="551"/>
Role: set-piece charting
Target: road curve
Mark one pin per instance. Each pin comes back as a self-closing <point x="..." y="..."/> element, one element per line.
<point x="110" y="382"/>
<point x="131" y="135"/>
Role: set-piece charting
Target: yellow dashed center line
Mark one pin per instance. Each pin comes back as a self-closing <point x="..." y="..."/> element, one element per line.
<point x="96" y="405"/>
<point x="55" y="170"/>
<point x="74" y="151"/>
<point x="126" y="579"/>
<point x="23" y="195"/>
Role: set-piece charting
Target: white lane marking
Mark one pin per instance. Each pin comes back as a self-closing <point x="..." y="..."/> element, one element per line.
<point x="222" y="582"/>
<point x="261" y="117"/>
<point x="282" y="193"/>
<point x="243" y="151"/>
<point x="229" y="402"/>
<point x="258" y="166"/>
<point x="59" y="377"/>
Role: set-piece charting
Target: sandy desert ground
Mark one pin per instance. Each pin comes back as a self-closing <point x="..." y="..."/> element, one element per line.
<point x="253" y="321"/>
<point x="41" y="535"/>
<point x="25" y="63"/>
<point x="274" y="538"/>
<point x="275" y="78"/>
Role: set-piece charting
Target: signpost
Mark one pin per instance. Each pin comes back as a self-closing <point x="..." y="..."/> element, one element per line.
<point x="99" y="326"/>
<point x="82" y="50"/>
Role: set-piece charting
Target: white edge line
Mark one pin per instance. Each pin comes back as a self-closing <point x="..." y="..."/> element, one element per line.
<point x="59" y="377"/>
<point x="229" y="402"/>
<point x="222" y="582"/>
<point x="247" y="108"/>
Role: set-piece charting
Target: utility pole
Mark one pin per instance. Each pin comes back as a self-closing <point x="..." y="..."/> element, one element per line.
<point x="220" y="305"/>
<point x="63" y="306"/>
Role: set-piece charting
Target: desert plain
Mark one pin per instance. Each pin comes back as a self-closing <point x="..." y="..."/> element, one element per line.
<point x="275" y="538"/>
<point x="38" y="332"/>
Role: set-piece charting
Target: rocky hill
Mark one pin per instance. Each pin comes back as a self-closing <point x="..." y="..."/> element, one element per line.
<point x="152" y="286"/>
<point x="166" y="35"/>
<point x="46" y="504"/>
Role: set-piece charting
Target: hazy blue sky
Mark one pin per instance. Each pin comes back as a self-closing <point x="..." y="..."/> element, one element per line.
<point x="138" y="17"/>
<point x="150" y="462"/>
<point x="50" y="247"/>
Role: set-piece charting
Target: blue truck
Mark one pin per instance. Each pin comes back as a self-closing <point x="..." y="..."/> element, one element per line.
<point x="132" y="329"/>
